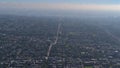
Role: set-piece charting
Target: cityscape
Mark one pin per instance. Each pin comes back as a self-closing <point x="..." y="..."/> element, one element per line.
<point x="59" y="33"/>
<point x="57" y="42"/>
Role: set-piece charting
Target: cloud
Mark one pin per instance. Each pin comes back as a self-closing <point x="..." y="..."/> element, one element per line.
<point x="59" y="6"/>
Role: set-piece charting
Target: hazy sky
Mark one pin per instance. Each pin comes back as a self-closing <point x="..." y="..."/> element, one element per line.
<point x="63" y="4"/>
<point x="68" y="1"/>
<point x="86" y="5"/>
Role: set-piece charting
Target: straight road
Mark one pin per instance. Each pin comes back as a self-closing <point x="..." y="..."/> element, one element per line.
<point x="53" y="43"/>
